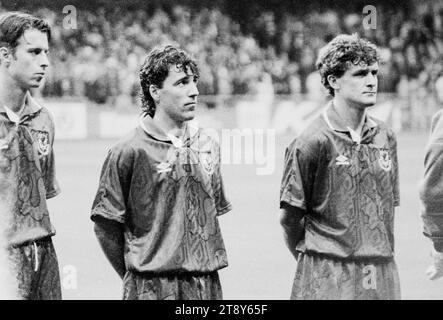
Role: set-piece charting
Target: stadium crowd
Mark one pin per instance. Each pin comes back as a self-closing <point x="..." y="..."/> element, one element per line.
<point x="101" y="57"/>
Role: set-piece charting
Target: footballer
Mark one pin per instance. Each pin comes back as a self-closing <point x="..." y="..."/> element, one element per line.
<point x="340" y="185"/>
<point x="161" y="192"/>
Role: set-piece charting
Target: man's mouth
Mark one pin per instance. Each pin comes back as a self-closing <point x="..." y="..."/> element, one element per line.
<point x="39" y="75"/>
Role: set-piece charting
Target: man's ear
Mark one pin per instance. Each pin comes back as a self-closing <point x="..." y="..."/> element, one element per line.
<point x="333" y="82"/>
<point x="155" y="92"/>
<point x="5" y="56"/>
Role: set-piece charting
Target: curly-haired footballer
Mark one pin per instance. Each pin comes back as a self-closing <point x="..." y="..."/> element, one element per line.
<point x="161" y="192"/>
<point x="340" y="186"/>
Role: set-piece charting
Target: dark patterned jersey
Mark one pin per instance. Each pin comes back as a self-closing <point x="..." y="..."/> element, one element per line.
<point x="168" y="196"/>
<point x="431" y="185"/>
<point x="27" y="172"/>
<point x="347" y="189"/>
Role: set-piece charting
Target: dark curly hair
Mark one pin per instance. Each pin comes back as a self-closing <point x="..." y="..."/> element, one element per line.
<point x="342" y="52"/>
<point x="14" y="24"/>
<point x="155" y="70"/>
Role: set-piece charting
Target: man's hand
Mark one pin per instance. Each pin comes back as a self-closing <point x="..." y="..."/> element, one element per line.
<point x="435" y="271"/>
<point x="292" y="221"/>
<point x="111" y="238"/>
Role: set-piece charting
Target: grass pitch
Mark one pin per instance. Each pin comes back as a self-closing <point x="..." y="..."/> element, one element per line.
<point x="260" y="265"/>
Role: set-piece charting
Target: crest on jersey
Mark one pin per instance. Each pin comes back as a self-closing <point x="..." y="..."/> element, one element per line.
<point x="385" y="160"/>
<point x="42" y="141"/>
<point x="207" y="162"/>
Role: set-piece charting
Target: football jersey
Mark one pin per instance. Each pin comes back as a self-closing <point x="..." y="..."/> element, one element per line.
<point x="27" y="172"/>
<point x="168" y="193"/>
<point x="348" y="188"/>
<point x="431" y="185"/>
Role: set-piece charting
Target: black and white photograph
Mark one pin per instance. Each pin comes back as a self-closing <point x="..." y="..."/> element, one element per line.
<point x="238" y="150"/>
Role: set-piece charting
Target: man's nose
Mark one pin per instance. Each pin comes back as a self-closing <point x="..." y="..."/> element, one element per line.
<point x="193" y="90"/>
<point x="372" y="80"/>
<point x="44" y="60"/>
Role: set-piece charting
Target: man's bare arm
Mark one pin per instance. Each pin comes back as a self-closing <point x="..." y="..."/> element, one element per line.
<point x="111" y="238"/>
<point x="292" y="221"/>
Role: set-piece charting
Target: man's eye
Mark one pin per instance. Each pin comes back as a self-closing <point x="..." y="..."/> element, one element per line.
<point x="183" y="82"/>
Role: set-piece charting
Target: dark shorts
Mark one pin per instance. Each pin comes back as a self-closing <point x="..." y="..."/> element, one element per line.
<point x="320" y="277"/>
<point x="37" y="270"/>
<point x="140" y="286"/>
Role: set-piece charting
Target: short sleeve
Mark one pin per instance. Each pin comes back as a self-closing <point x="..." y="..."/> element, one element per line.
<point x="50" y="180"/>
<point x="51" y="183"/>
<point x="431" y="185"/>
<point x="111" y="198"/>
<point x="395" y="178"/>
<point x="298" y="175"/>
<point x="222" y="204"/>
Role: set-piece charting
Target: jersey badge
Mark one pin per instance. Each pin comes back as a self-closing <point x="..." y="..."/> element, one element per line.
<point x="385" y="160"/>
<point x="42" y="140"/>
<point x="207" y="162"/>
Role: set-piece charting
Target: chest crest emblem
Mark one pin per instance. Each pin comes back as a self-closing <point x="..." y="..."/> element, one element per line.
<point x="207" y="162"/>
<point x="42" y="141"/>
<point x="385" y="160"/>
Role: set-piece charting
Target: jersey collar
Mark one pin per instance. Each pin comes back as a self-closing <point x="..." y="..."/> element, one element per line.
<point x="31" y="107"/>
<point x="150" y="126"/>
<point x="335" y="123"/>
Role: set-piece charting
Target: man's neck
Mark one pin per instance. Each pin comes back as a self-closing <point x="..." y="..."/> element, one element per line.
<point x="168" y="125"/>
<point x="352" y="116"/>
<point x="12" y="96"/>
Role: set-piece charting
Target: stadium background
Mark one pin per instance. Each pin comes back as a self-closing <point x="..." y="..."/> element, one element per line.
<point x="257" y="71"/>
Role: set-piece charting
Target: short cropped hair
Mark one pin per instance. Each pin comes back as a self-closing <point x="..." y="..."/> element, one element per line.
<point x="155" y="70"/>
<point x="342" y="52"/>
<point x="14" y="24"/>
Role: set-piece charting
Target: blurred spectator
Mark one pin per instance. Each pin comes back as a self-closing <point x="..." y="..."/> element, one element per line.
<point x="100" y="59"/>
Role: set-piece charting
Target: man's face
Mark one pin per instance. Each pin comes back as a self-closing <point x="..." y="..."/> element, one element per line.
<point x="29" y="62"/>
<point x="358" y="85"/>
<point x="178" y="96"/>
